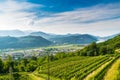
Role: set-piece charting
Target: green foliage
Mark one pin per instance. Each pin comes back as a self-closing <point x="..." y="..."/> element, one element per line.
<point x="31" y="66"/>
<point x="1" y="66"/>
<point x="24" y="65"/>
<point x="4" y="77"/>
<point x="90" y="50"/>
<point x="16" y="76"/>
<point x="60" y="55"/>
<point x="7" y="64"/>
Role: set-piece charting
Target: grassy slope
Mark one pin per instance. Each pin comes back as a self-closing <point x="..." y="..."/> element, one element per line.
<point x="65" y="68"/>
<point x="114" y="72"/>
<point x="92" y="75"/>
<point x="109" y="76"/>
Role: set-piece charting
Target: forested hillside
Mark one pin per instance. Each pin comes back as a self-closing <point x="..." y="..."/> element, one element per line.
<point x="23" y="42"/>
<point x="107" y="47"/>
<point x="74" y="39"/>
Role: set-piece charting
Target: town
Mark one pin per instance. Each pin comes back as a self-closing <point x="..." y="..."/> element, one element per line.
<point x="18" y="54"/>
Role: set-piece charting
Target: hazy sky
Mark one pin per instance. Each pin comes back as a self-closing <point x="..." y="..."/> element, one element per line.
<point x="96" y="17"/>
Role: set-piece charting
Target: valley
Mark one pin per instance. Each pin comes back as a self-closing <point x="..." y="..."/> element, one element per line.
<point x="18" y="54"/>
<point x="93" y="61"/>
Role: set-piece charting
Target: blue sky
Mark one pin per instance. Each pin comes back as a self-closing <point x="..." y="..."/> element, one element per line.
<point x="67" y="5"/>
<point x="96" y="17"/>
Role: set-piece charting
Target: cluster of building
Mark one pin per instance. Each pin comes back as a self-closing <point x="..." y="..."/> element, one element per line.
<point x="17" y="55"/>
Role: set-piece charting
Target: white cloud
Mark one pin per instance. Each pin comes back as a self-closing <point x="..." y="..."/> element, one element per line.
<point x="14" y="5"/>
<point x="96" y="20"/>
<point x="14" y="14"/>
<point x="102" y="28"/>
<point x="91" y="14"/>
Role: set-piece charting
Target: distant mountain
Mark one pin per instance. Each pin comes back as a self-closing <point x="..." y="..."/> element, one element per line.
<point x="15" y="33"/>
<point x="23" y="42"/>
<point x="46" y="35"/>
<point x="67" y="38"/>
<point x="109" y="37"/>
<point x="42" y="34"/>
<point x="74" y="39"/>
<point x="102" y="39"/>
<point x="55" y="38"/>
<point x="113" y="42"/>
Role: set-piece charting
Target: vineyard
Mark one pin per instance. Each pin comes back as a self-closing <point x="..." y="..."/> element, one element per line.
<point x="105" y="67"/>
<point x="80" y="68"/>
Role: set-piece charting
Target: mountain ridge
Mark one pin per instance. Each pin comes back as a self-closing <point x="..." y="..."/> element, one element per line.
<point x="16" y="38"/>
<point x="23" y="42"/>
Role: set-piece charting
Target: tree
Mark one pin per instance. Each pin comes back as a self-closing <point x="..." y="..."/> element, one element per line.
<point x="8" y="63"/>
<point x="117" y="45"/>
<point x="11" y="73"/>
<point x="60" y="55"/>
<point x="103" y="50"/>
<point x="22" y="64"/>
<point x="94" y="48"/>
<point x="90" y="50"/>
<point x="33" y="58"/>
<point x="1" y="66"/>
<point x="31" y="66"/>
<point x="90" y="53"/>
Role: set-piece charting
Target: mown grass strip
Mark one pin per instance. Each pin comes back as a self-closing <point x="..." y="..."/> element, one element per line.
<point x="101" y="75"/>
<point x="87" y="70"/>
<point x="92" y="75"/>
<point x="114" y="72"/>
<point x="78" y="68"/>
<point x="34" y="77"/>
<point x="45" y="76"/>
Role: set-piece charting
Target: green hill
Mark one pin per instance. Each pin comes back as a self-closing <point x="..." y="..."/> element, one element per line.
<point x="23" y="42"/>
<point x="74" y="39"/>
<point x="114" y="42"/>
<point x="107" y="47"/>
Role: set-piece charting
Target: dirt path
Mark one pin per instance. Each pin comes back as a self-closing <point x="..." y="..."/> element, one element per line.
<point x="33" y="77"/>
